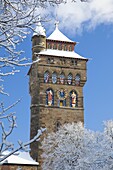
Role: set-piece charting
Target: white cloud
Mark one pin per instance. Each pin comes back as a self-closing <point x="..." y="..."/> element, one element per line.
<point x="79" y="15"/>
<point x="102" y="12"/>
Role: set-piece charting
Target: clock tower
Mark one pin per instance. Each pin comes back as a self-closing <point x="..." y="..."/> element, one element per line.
<point x="57" y="78"/>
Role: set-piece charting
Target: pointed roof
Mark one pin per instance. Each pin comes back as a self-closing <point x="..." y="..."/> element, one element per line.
<point x="39" y="30"/>
<point x="67" y="54"/>
<point x="20" y="158"/>
<point x="58" y="35"/>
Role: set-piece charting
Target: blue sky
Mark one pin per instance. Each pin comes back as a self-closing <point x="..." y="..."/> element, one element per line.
<point x="95" y="43"/>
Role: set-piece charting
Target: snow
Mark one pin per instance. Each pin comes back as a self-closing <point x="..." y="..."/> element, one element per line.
<point x="20" y="158"/>
<point x="74" y="147"/>
<point x="69" y="54"/>
<point x="58" y="36"/>
<point x="39" y="30"/>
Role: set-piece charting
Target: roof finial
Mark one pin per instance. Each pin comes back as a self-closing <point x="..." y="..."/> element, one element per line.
<point x="56" y="24"/>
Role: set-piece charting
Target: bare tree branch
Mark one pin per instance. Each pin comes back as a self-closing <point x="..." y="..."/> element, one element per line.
<point x="23" y="146"/>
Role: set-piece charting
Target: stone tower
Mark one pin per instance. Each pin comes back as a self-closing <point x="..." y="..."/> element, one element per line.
<point x="56" y="83"/>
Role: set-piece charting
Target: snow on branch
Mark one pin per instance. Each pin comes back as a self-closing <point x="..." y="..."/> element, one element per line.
<point x="17" y="18"/>
<point x="9" y="118"/>
<point x="22" y="146"/>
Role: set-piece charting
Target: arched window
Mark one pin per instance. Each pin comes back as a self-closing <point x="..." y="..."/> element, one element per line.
<point x="46" y="77"/>
<point x="65" y="47"/>
<point x="70" y="48"/>
<point x="54" y="78"/>
<point x="55" y="46"/>
<point x="58" y="124"/>
<point x="49" y="46"/>
<point x="77" y="79"/>
<point x="48" y="60"/>
<point x="73" y="99"/>
<point x="49" y="97"/>
<point x="62" y="78"/>
<point x="70" y="78"/>
<point x="60" y="47"/>
<point x="73" y="62"/>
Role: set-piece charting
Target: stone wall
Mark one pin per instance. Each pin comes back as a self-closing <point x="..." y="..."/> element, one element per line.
<point x="16" y="167"/>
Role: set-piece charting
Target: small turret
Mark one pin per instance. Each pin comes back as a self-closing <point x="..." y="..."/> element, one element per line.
<point x="38" y="40"/>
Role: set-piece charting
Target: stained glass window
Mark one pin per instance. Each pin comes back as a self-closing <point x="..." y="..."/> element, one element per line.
<point x="73" y="98"/>
<point x="46" y="77"/>
<point x="54" y="78"/>
<point x="62" y="78"/>
<point x="49" y="97"/>
<point x="70" y="78"/>
<point x="77" y="79"/>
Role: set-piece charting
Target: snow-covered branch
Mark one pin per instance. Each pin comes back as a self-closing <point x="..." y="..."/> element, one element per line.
<point x="17" y="20"/>
<point x="9" y="118"/>
<point x="22" y="146"/>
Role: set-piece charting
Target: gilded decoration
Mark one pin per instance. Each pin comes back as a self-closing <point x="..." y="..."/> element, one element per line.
<point x="62" y="94"/>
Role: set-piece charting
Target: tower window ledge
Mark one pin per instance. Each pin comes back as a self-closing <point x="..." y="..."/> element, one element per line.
<point x="62" y="107"/>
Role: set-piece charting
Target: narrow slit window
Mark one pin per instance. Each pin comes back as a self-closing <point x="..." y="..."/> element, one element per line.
<point x="70" y="78"/>
<point x="77" y="79"/>
<point x="46" y="77"/>
<point x="54" y="78"/>
<point x="62" y="78"/>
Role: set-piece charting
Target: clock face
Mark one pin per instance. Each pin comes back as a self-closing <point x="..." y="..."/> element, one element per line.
<point x="62" y="94"/>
